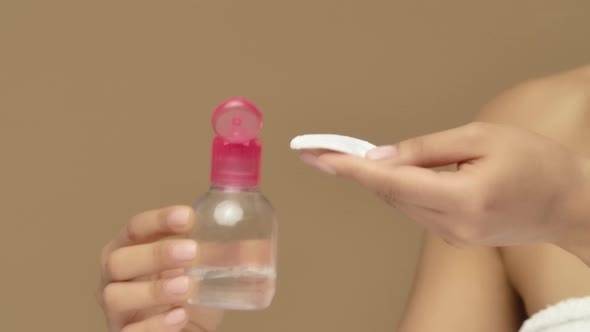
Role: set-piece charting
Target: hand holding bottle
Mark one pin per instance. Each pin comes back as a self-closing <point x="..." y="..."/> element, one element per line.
<point x="153" y="283"/>
<point x="143" y="282"/>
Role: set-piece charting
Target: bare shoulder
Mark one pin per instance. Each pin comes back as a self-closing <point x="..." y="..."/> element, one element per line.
<point x="556" y="106"/>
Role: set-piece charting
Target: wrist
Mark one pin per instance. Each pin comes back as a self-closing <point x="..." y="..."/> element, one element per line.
<point x="576" y="215"/>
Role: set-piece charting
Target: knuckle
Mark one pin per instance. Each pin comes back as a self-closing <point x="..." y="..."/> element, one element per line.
<point x="476" y="131"/>
<point x="476" y="209"/>
<point x="112" y="265"/>
<point x="409" y="149"/>
<point x="162" y="216"/>
<point x="482" y="204"/>
<point x="131" y="229"/>
<point x="388" y="194"/>
<point x="110" y="297"/>
<point x="480" y="199"/>
<point x="109" y="265"/>
<point x="161" y="253"/>
<point x="157" y="291"/>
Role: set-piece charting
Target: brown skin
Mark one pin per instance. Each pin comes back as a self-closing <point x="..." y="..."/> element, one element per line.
<point x="458" y="290"/>
<point x="557" y="107"/>
<point x="512" y="186"/>
<point x="524" y="165"/>
<point x="138" y="268"/>
<point x="523" y="178"/>
<point x="495" y="289"/>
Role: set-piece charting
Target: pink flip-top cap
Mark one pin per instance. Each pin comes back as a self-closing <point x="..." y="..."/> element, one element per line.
<point x="236" y="148"/>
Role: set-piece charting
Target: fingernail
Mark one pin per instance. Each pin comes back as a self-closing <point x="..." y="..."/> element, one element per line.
<point x="186" y="250"/>
<point x="177" y="286"/>
<point x="382" y="152"/>
<point x="179" y="217"/>
<point x="175" y="317"/>
<point x="313" y="161"/>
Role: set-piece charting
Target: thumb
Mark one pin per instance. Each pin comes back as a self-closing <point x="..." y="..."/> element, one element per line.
<point x="438" y="149"/>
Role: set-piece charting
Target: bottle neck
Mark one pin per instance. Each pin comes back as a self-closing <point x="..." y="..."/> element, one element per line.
<point x="228" y="187"/>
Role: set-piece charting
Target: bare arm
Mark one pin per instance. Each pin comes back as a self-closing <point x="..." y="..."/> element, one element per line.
<point x="512" y="186"/>
<point x="557" y="107"/>
<point x="468" y="290"/>
<point x="460" y="290"/>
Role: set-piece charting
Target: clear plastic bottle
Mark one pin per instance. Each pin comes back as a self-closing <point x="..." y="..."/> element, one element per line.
<point x="236" y="226"/>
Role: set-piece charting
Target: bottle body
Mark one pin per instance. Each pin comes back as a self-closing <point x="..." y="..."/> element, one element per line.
<point x="236" y="230"/>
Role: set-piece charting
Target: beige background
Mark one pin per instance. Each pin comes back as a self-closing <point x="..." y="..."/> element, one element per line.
<point x="104" y="112"/>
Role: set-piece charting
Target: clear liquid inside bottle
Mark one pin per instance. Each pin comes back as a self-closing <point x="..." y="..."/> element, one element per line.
<point x="236" y="231"/>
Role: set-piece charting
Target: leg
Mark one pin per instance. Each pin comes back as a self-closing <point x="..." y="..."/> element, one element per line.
<point x="544" y="275"/>
<point x="461" y="290"/>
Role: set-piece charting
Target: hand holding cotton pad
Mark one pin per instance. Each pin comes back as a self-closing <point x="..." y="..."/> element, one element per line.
<point x="339" y="143"/>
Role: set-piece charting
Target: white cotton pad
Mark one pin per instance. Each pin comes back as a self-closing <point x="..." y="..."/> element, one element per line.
<point x="339" y="143"/>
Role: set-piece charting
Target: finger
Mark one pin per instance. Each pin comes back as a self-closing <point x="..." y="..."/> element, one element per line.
<point x="172" y="273"/>
<point x="135" y="261"/>
<point x="310" y="157"/>
<point x="172" y="321"/>
<point x="204" y="319"/>
<point x="155" y="224"/>
<point x="122" y="297"/>
<point x="146" y="227"/>
<point x="415" y="185"/>
<point x="317" y="152"/>
<point x="439" y="149"/>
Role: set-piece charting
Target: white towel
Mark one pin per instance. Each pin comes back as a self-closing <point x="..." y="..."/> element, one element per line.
<point x="572" y="315"/>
